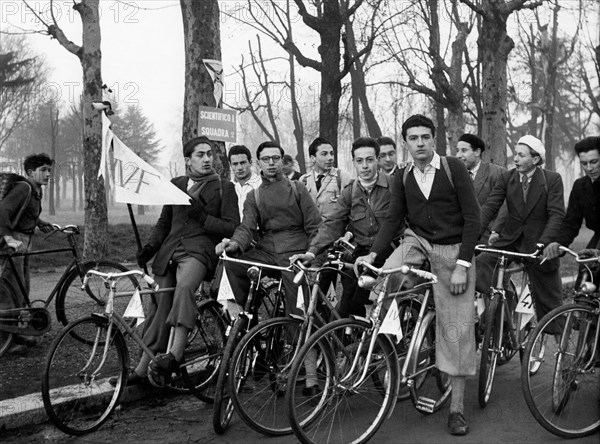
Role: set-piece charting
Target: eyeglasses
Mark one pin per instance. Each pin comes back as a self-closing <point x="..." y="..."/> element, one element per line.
<point x="266" y="159"/>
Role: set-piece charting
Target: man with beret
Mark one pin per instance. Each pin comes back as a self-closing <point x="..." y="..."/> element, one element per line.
<point x="535" y="211"/>
<point x="584" y="201"/>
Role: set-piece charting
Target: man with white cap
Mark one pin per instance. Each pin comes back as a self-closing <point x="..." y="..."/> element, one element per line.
<point x="535" y="210"/>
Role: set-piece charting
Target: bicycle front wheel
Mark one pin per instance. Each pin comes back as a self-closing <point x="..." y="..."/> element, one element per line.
<point x="73" y="303"/>
<point x="78" y="396"/>
<point x="259" y="372"/>
<point x="563" y="394"/>
<point x="7" y="302"/>
<point x="356" y="390"/>
<point x="223" y="406"/>
<point x="491" y="349"/>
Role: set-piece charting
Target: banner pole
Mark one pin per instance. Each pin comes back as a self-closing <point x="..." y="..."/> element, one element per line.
<point x="136" y="233"/>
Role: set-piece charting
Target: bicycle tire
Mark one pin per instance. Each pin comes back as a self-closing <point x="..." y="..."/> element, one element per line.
<point x="347" y="408"/>
<point x="203" y="352"/>
<point x="73" y="303"/>
<point x="490" y="350"/>
<point x="8" y="298"/>
<point x="258" y="374"/>
<point x="430" y="390"/>
<point x="568" y="407"/>
<point x="75" y="401"/>
<point x="223" y="406"/>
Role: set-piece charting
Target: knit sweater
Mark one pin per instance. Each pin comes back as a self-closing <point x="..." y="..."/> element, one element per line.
<point x="449" y="216"/>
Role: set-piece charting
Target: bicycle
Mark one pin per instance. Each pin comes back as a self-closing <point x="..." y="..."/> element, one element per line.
<point x="504" y="335"/>
<point x="71" y="299"/>
<point x="261" y="361"/>
<point x="564" y="395"/>
<point x="78" y="396"/>
<point x="359" y="370"/>
<point x="245" y="320"/>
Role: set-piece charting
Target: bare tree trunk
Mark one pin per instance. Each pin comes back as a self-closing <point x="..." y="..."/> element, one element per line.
<point x="550" y="96"/>
<point x="359" y="87"/>
<point x="202" y="40"/>
<point x="75" y="180"/>
<point x="96" y="216"/>
<point x="297" y="117"/>
<point x="440" y="133"/>
<point x="55" y="173"/>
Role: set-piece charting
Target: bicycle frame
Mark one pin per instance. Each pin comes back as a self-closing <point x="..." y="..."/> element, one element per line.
<point x="375" y="321"/>
<point x="76" y="262"/>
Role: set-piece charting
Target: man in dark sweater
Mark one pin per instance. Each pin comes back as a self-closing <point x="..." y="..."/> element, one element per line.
<point x="442" y="215"/>
<point x="20" y="211"/>
<point x="584" y="201"/>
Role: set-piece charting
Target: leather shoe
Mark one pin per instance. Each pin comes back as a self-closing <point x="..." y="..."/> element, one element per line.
<point x="29" y="341"/>
<point x="457" y="424"/>
<point x="311" y="391"/>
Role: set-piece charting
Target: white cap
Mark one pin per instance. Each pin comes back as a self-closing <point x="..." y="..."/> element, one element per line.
<point x="535" y="144"/>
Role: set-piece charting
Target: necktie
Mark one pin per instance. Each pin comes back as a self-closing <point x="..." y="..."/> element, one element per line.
<point x="319" y="180"/>
<point x="525" y="186"/>
<point x="471" y="175"/>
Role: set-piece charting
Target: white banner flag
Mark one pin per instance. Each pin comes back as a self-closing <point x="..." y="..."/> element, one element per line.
<point x="134" y="181"/>
<point x="137" y="182"/>
<point x="300" y="299"/>
<point x="135" y="309"/>
<point x="226" y="297"/>
<point x="391" y="324"/>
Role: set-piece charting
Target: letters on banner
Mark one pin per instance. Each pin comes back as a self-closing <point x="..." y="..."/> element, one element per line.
<point x="525" y="306"/>
<point x="134" y="181"/>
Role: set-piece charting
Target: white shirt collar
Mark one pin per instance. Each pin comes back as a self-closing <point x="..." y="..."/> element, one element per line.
<point x="435" y="162"/>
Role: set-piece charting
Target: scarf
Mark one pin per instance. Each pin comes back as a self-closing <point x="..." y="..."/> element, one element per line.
<point x="200" y="181"/>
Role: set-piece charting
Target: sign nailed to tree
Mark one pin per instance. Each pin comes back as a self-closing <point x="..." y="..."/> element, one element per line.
<point x="217" y="124"/>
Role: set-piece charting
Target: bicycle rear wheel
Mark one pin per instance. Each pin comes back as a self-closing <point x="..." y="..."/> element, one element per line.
<point x="74" y="303"/>
<point x="563" y="395"/>
<point x="491" y="349"/>
<point x="354" y="397"/>
<point x="259" y="372"/>
<point x="203" y="352"/>
<point x="429" y="388"/>
<point x="223" y="406"/>
<point x="76" y="400"/>
<point x="7" y="302"/>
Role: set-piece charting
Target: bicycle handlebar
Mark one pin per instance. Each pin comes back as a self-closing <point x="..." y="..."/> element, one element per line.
<point x="534" y="255"/>
<point x="225" y="257"/>
<point x="367" y="281"/>
<point x="107" y="277"/>
<point x="578" y="259"/>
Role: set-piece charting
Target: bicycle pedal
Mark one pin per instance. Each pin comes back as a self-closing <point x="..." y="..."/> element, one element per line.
<point x="425" y="405"/>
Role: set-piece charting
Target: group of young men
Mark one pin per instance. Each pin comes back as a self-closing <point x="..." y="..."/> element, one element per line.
<point x="435" y="209"/>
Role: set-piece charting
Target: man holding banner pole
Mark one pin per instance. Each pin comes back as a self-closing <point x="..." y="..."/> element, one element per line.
<point x="184" y="240"/>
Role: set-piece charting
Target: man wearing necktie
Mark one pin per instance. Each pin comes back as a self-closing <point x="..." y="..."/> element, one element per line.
<point x="535" y="211"/>
<point x="484" y="175"/>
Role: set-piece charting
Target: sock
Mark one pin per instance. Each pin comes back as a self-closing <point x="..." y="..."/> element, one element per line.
<point x="310" y="365"/>
<point x="458" y="392"/>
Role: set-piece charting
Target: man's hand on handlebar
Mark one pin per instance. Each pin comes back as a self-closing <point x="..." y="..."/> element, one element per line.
<point x="305" y="258"/>
<point x="493" y="238"/>
<point x="45" y="227"/>
<point x="15" y="244"/>
<point x="226" y="245"/>
<point x="369" y="258"/>
<point x="589" y="253"/>
<point x="551" y="251"/>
